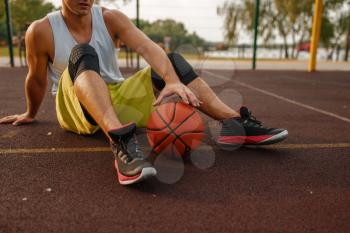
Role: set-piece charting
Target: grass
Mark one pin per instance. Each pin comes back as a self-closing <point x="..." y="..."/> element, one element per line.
<point x="4" y="51"/>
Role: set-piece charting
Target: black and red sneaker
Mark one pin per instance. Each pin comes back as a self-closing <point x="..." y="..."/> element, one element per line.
<point x="130" y="162"/>
<point x="247" y="130"/>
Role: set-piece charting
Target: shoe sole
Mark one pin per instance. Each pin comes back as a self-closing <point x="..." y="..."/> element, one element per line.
<point x="274" y="139"/>
<point x="146" y="173"/>
<point x="268" y="141"/>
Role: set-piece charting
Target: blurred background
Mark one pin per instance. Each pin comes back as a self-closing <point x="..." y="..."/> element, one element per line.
<point x="209" y="31"/>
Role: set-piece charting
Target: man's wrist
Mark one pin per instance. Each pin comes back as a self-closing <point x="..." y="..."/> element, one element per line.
<point x="170" y="79"/>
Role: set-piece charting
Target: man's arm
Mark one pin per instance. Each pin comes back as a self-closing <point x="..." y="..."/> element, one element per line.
<point x="36" y="81"/>
<point x="122" y="28"/>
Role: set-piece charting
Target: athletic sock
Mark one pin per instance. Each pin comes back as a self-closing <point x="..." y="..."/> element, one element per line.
<point x="124" y="132"/>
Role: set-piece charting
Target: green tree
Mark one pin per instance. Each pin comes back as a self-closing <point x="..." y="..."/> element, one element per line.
<point x="162" y="28"/>
<point x="340" y="20"/>
<point x="3" y="33"/>
<point x="233" y="13"/>
<point x="2" y="9"/>
<point x="143" y="24"/>
<point x="194" y="39"/>
<point x="26" y="11"/>
<point x="169" y="27"/>
<point x="241" y="16"/>
<point x="285" y="19"/>
<point x="327" y="34"/>
<point x="297" y="18"/>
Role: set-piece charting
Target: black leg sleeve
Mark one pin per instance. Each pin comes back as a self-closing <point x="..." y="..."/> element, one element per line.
<point x="182" y="68"/>
<point x="82" y="58"/>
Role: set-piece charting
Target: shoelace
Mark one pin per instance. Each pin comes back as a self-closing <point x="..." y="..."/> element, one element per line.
<point x="123" y="151"/>
<point x="253" y="119"/>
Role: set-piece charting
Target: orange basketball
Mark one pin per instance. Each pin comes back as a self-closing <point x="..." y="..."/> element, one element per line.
<point x="176" y="126"/>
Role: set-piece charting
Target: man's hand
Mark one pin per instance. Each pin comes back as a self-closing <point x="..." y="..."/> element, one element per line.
<point x="181" y="90"/>
<point x="17" y="119"/>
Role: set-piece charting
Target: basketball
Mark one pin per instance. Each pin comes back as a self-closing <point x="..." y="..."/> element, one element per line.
<point x="175" y="126"/>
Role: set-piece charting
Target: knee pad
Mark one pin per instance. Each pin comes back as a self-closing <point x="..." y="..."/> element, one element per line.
<point x="82" y="58"/>
<point x="182" y="68"/>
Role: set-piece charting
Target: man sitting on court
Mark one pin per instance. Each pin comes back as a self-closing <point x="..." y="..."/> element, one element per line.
<point x="75" y="47"/>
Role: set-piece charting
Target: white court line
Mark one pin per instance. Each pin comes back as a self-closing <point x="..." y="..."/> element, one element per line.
<point x="281" y="97"/>
<point x="217" y="76"/>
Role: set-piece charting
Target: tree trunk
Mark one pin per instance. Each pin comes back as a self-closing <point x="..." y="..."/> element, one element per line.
<point x="330" y="54"/>
<point x="293" y="43"/>
<point x="285" y="43"/>
<point x="281" y="51"/>
<point x="336" y="47"/>
<point x="338" y="53"/>
<point x="299" y="42"/>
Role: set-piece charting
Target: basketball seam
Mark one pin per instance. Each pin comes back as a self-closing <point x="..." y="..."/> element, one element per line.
<point x="172" y="131"/>
<point x="178" y="137"/>
<point x="166" y="124"/>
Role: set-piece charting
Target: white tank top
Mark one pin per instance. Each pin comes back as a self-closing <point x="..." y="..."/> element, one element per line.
<point x="100" y="40"/>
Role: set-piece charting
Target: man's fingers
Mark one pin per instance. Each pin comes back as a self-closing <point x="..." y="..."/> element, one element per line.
<point x="16" y="122"/>
<point x="184" y="97"/>
<point x="194" y="100"/>
<point x="23" y="121"/>
<point x="19" y="122"/>
<point x="162" y="95"/>
<point x="159" y="99"/>
<point x="8" y="119"/>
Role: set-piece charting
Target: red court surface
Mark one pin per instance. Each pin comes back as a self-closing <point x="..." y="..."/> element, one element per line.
<point x="55" y="181"/>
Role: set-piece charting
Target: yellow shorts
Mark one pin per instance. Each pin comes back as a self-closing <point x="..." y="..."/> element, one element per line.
<point x="132" y="101"/>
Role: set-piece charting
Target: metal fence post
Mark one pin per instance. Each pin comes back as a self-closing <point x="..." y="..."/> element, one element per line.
<point x="138" y="26"/>
<point x="9" y="31"/>
<point x="256" y="26"/>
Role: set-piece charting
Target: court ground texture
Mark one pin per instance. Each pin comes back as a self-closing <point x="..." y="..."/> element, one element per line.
<point x="55" y="181"/>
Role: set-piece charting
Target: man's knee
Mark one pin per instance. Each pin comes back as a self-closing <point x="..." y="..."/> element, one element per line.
<point x="182" y="68"/>
<point x="82" y="58"/>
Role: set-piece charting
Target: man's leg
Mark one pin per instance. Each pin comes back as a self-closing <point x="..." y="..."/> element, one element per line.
<point x="237" y="128"/>
<point x="93" y="94"/>
<point x="91" y="89"/>
<point x="212" y="105"/>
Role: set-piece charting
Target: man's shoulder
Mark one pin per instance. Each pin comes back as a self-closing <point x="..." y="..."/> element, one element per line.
<point x="39" y="36"/>
<point x="40" y="28"/>
<point x="110" y="14"/>
<point x="115" y="20"/>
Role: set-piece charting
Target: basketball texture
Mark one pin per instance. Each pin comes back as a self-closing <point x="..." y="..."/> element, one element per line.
<point x="175" y="126"/>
